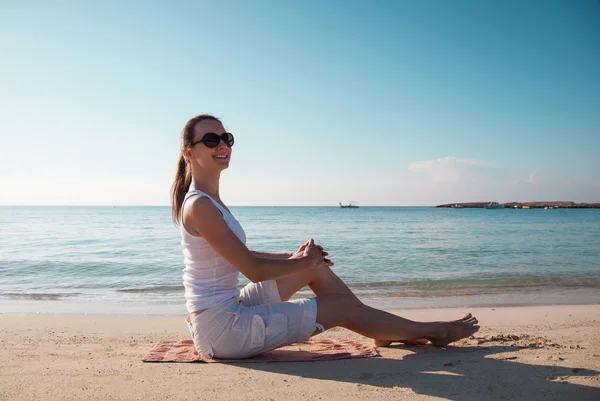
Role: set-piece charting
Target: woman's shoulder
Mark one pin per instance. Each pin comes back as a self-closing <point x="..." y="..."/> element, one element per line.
<point x="201" y="205"/>
<point x="200" y="214"/>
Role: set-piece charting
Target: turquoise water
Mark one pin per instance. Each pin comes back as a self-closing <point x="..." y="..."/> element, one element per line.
<point x="128" y="259"/>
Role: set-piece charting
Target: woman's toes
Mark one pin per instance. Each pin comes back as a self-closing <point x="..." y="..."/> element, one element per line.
<point x="466" y="317"/>
<point x="382" y="343"/>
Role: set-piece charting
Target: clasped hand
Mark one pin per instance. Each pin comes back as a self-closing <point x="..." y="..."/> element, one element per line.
<point x="314" y="253"/>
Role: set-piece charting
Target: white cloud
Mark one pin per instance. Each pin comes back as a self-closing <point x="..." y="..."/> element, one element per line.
<point x="532" y="178"/>
<point x="447" y="169"/>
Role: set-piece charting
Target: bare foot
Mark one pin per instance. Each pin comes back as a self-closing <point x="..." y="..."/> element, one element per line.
<point x="420" y="341"/>
<point x="448" y="332"/>
<point x="386" y="343"/>
<point x="455" y="330"/>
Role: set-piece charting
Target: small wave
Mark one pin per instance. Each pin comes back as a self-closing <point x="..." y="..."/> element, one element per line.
<point x="438" y="293"/>
<point x="49" y="296"/>
<point x="473" y="285"/>
<point x="160" y="288"/>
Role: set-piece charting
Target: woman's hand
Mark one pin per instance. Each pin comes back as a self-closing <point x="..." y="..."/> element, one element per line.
<point x="315" y="255"/>
<point x="302" y="247"/>
<point x="300" y="250"/>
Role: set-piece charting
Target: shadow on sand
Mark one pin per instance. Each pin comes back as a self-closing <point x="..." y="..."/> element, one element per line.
<point x="459" y="374"/>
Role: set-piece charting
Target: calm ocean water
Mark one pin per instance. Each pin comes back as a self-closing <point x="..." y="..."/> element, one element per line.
<point x="121" y="260"/>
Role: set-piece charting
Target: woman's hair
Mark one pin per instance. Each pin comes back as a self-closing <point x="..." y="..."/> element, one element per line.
<point x="183" y="177"/>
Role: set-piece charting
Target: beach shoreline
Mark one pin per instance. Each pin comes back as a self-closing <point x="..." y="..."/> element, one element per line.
<point x="173" y="306"/>
<point x="526" y="205"/>
<point x="58" y="357"/>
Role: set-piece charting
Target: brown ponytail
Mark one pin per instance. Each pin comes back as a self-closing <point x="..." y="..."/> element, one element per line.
<point x="183" y="177"/>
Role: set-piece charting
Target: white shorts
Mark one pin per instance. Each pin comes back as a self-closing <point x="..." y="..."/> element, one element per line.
<point x="253" y="323"/>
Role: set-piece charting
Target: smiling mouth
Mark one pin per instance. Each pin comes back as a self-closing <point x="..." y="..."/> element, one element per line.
<point x="221" y="157"/>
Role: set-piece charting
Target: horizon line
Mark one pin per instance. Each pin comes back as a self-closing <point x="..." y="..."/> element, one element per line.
<point x="96" y="205"/>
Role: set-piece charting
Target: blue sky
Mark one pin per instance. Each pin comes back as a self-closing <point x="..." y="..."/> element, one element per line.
<point x="385" y="103"/>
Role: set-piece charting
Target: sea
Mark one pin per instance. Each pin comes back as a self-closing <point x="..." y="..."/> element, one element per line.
<point x="128" y="260"/>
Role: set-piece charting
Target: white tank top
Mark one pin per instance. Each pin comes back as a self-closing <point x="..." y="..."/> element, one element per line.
<point x="208" y="278"/>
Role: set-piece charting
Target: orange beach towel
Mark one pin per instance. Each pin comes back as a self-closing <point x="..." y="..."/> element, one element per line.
<point x="313" y="350"/>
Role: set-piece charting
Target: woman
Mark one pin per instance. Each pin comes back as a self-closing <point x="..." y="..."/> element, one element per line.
<point x="228" y="323"/>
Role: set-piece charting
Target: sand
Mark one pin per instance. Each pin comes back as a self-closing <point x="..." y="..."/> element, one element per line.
<point x="553" y="354"/>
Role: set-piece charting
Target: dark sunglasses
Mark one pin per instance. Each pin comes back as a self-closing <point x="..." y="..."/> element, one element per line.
<point x="212" y="140"/>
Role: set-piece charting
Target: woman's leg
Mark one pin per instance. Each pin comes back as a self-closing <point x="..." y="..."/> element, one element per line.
<point x="343" y="310"/>
<point x="321" y="282"/>
<point x="338" y="306"/>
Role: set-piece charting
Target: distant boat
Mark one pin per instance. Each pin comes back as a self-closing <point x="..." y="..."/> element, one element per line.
<point x="525" y="207"/>
<point x="350" y="204"/>
<point x="494" y="205"/>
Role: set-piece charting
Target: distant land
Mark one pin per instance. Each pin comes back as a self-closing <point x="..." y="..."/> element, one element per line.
<point x="530" y="205"/>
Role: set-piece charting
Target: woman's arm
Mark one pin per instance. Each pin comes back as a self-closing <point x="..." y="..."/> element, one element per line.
<point x="201" y="217"/>
<point x="271" y="255"/>
<point x="285" y="255"/>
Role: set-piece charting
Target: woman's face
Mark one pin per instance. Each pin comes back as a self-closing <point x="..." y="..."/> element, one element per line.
<point x="209" y="158"/>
